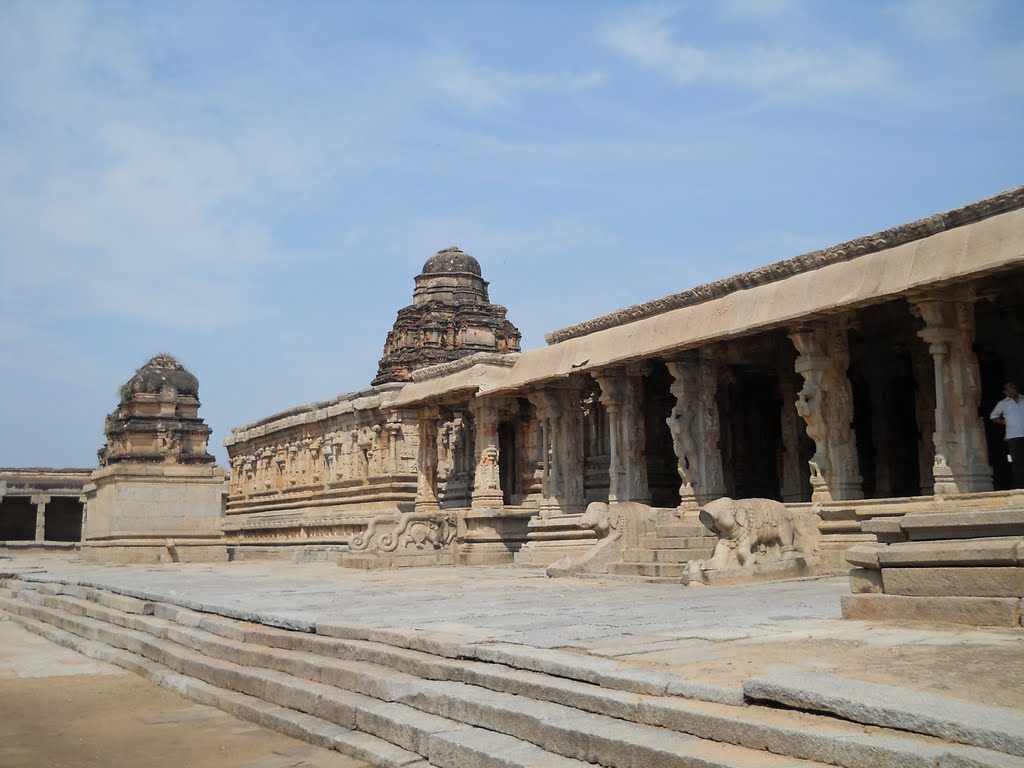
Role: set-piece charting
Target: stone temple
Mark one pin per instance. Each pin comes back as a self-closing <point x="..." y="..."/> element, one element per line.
<point x="827" y="410"/>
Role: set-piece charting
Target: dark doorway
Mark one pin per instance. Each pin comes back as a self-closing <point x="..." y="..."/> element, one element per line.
<point x="17" y="519"/>
<point x="64" y="520"/>
<point x="751" y="404"/>
<point x="662" y="474"/>
<point x="508" y="461"/>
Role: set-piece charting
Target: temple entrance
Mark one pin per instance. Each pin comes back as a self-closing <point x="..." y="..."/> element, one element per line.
<point x="17" y="519"/>
<point x="662" y="473"/>
<point x="64" y="519"/>
<point x="750" y="404"/>
<point x="999" y="345"/>
<point x="882" y="378"/>
<point x="508" y="461"/>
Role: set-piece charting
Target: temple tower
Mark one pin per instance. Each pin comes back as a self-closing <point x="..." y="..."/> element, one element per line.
<point x="157" y="496"/>
<point x="451" y="316"/>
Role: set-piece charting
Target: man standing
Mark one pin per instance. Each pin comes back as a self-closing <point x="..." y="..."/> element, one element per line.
<point x="1010" y="413"/>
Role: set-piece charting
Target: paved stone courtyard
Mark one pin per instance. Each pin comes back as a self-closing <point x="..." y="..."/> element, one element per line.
<point x="714" y="635"/>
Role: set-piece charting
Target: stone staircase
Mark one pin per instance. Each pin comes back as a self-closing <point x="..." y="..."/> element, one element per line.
<point x="662" y="556"/>
<point x="413" y="699"/>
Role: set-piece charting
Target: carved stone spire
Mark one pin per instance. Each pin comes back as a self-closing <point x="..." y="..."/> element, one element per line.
<point x="157" y="420"/>
<point x="450" y="317"/>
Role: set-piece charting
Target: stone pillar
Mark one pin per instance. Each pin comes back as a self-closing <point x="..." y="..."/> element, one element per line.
<point x="924" y="410"/>
<point x="826" y="404"/>
<point x="41" y="500"/>
<point x="621" y="396"/>
<point x="487" y="491"/>
<point x="695" y="429"/>
<point x="426" y="461"/>
<point x="961" y="453"/>
<point x="559" y="418"/>
<point x="793" y="487"/>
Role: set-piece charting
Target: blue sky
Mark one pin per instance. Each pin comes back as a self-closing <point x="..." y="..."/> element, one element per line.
<point x="252" y="186"/>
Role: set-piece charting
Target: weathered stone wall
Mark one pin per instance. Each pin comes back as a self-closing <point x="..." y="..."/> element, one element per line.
<point x="317" y="474"/>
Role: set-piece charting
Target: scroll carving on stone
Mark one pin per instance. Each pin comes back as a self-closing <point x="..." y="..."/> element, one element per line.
<point x="418" y="530"/>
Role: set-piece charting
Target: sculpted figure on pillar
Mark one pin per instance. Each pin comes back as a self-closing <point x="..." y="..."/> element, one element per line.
<point x="826" y="405"/>
<point x="694" y="425"/>
<point x="559" y="417"/>
<point x="487" y="491"/>
<point x="961" y="453"/>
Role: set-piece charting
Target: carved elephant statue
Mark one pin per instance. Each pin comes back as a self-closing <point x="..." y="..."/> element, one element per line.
<point x="747" y="529"/>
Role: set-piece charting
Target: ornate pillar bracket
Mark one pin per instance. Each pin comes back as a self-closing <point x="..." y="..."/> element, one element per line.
<point x="961" y="453"/>
<point x="426" y="460"/>
<point x="621" y="395"/>
<point x="825" y="402"/>
<point x="694" y="425"/>
<point x="40" y="500"/>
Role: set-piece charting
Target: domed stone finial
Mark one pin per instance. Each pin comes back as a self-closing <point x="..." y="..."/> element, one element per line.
<point x="451" y="261"/>
<point x="451" y="316"/>
<point x="162" y="371"/>
<point x="157" y="419"/>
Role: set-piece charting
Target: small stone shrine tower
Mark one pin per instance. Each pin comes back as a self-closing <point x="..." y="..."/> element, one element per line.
<point x="450" y="317"/>
<point x="157" y="496"/>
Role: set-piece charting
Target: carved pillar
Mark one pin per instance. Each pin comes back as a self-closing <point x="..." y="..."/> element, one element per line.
<point x="794" y="487"/>
<point x="924" y="410"/>
<point x="487" y="491"/>
<point x="41" y="501"/>
<point x="961" y="453"/>
<point x="695" y="429"/>
<point x="621" y="396"/>
<point x="559" y="418"/>
<point x="426" y="461"/>
<point x="826" y="404"/>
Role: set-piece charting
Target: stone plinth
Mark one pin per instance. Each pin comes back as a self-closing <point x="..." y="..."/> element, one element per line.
<point x="553" y="538"/>
<point x="963" y="567"/>
<point x="140" y="513"/>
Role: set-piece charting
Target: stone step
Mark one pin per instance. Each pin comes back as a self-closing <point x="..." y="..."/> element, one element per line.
<point x="679" y="542"/>
<point x="417" y="715"/>
<point x="662" y="570"/>
<point x="664" y="555"/>
<point x="484" y="690"/>
<point x="357" y="744"/>
<point x="673" y="530"/>
<point x="444" y="742"/>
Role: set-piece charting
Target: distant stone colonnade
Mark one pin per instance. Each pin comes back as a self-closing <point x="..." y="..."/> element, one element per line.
<point x="42" y="506"/>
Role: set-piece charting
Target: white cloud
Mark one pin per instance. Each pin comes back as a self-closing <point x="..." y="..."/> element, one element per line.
<point x="774" y="73"/>
<point x="481" y="88"/>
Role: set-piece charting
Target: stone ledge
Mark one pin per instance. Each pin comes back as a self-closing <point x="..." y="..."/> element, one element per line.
<point x="974" y="611"/>
<point x="988" y="727"/>
<point x="954" y="582"/>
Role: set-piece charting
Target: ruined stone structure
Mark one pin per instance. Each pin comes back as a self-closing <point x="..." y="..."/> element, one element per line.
<point x="157" y="495"/>
<point x="42" y="507"/>
<point x="450" y="317"/>
<point x="847" y="383"/>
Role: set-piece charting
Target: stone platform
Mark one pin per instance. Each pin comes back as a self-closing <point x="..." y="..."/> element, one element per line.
<point x="590" y="671"/>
